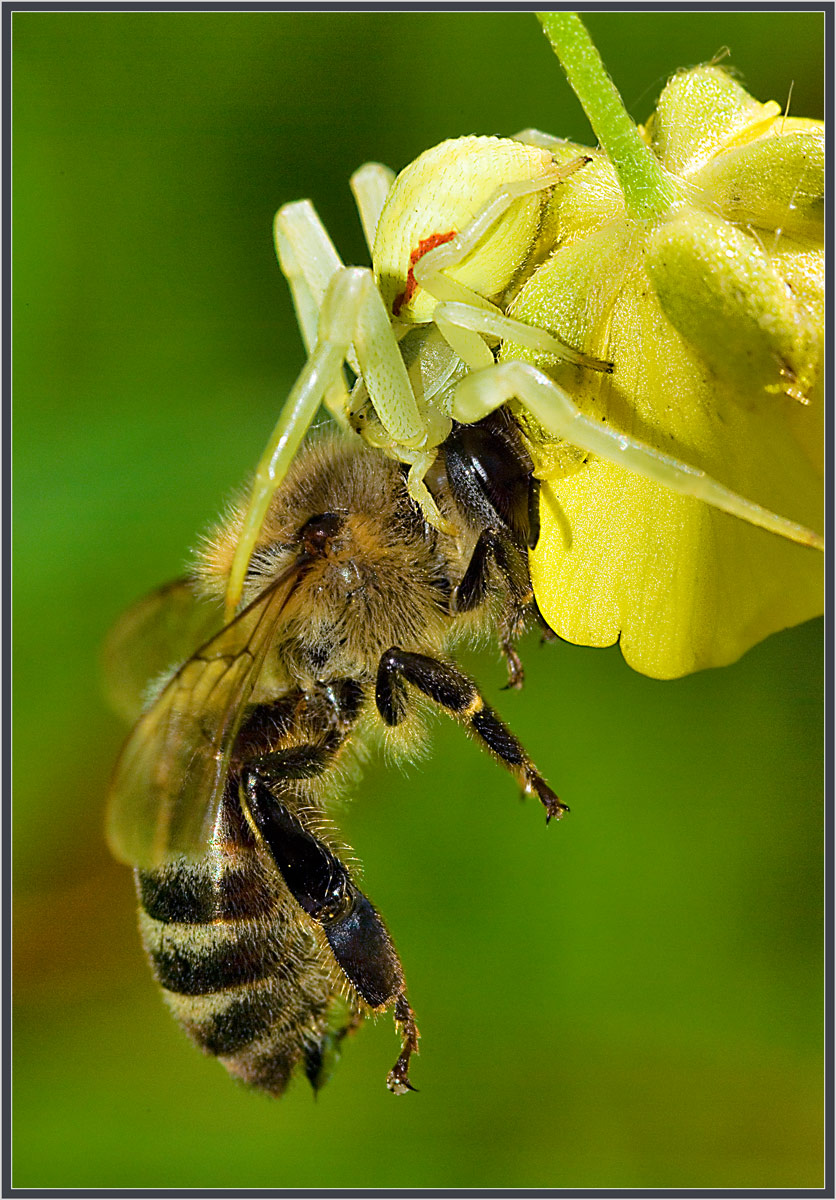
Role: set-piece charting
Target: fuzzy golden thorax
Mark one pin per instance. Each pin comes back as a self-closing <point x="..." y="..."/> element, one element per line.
<point x="383" y="578"/>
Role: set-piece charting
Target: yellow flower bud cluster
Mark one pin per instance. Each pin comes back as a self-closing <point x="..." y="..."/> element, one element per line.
<point x="712" y="314"/>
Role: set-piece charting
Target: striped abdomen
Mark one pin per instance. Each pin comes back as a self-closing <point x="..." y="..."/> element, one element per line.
<point x="244" y="976"/>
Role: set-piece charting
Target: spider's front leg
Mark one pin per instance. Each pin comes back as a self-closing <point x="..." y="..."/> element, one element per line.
<point x="483" y="391"/>
<point x="370" y="185"/>
<point x="431" y="270"/>
<point x="309" y="260"/>
<point x="352" y="313"/>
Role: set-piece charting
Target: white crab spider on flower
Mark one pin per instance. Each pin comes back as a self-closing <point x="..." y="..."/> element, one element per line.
<point x="454" y="235"/>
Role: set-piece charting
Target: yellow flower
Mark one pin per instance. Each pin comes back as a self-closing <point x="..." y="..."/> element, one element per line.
<point x="712" y="313"/>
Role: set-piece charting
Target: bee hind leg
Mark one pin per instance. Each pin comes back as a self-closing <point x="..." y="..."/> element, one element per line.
<point x="397" y="1080"/>
<point x="322" y="886"/>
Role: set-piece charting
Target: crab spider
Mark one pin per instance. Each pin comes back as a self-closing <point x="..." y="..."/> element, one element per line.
<point x="448" y="238"/>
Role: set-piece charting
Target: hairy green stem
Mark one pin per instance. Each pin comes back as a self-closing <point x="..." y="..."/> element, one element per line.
<point x="648" y="191"/>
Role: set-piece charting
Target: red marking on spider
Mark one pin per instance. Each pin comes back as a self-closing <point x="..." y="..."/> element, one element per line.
<point x="425" y="244"/>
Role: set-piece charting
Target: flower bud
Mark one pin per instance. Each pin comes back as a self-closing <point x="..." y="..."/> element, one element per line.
<point x="711" y="312"/>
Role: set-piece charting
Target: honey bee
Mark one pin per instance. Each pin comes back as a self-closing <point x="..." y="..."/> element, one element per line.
<point x="267" y="950"/>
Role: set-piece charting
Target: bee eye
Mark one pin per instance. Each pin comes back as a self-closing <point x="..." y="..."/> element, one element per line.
<point x="318" y="531"/>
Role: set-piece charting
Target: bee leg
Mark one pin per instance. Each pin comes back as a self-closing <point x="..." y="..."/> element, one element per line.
<point x="547" y="634"/>
<point x="322" y="1056"/>
<point x="516" y="671"/>
<point x="491" y="478"/>
<point x="397" y="1080"/>
<point x="322" y="886"/>
<point x="498" y="548"/>
<point x="336" y="705"/>
<point x="297" y="762"/>
<point x="453" y="690"/>
<point x="344" y="698"/>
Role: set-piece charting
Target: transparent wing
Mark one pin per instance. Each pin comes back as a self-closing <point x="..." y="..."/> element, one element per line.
<point x="152" y="638"/>
<point x="169" y="780"/>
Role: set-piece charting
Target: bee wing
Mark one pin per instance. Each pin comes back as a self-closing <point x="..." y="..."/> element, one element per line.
<point x="169" y="780"/>
<point x="151" y="639"/>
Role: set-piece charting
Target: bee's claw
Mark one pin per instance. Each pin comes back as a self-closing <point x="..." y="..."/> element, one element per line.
<point x="556" y="810"/>
<point x="397" y="1084"/>
<point x="516" y="673"/>
<point x="535" y="786"/>
<point x="397" y="1080"/>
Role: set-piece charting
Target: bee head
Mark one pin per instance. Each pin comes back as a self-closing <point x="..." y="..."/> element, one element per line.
<point x="318" y="532"/>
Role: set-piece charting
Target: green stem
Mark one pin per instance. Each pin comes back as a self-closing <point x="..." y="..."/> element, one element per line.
<point x="648" y="191"/>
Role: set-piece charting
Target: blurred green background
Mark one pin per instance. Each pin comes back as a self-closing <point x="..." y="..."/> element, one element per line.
<point x="629" y="999"/>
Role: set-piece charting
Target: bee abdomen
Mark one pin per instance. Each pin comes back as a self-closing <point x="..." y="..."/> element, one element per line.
<point x="225" y="1023"/>
<point x="259" y="1033"/>
<point x="193" y="896"/>
<point x="248" y="989"/>
<point x="197" y="960"/>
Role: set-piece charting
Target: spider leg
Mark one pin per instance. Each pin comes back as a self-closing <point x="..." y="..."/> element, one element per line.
<point x="352" y="311"/>
<point x="480" y="392"/>
<point x="430" y="270"/>
<point x="497" y="325"/>
<point x="309" y="260"/>
<point x="536" y="137"/>
<point x="370" y="185"/>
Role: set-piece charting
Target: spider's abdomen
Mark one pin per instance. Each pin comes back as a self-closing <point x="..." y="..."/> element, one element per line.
<point x="436" y="197"/>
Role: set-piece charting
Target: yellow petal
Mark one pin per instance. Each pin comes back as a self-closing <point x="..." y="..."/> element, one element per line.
<point x="719" y="288"/>
<point x="699" y="113"/>
<point x="775" y="183"/>
<point x="682" y="586"/>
